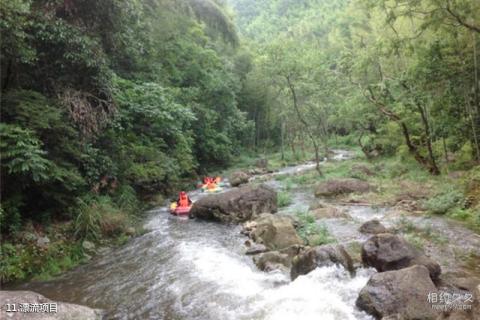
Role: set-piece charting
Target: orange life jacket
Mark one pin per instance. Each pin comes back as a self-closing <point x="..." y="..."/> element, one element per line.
<point x="211" y="185"/>
<point x="183" y="201"/>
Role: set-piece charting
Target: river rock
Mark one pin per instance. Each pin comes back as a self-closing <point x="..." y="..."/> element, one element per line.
<point x="354" y="250"/>
<point x="372" y="227"/>
<point x="130" y="231"/>
<point x="272" y="260"/>
<point x="43" y="242"/>
<point x="293" y="250"/>
<point x="461" y="308"/>
<point x="256" y="249"/>
<point x="330" y="212"/>
<point x="321" y="256"/>
<point x="335" y="187"/>
<point x="237" y="205"/>
<point x="393" y="317"/>
<point x="476" y="304"/>
<point x="403" y="293"/>
<point x="460" y="282"/>
<point x="88" y="246"/>
<point x="65" y="311"/>
<point x="238" y="178"/>
<point x="386" y="252"/>
<point x="275" y="232"/>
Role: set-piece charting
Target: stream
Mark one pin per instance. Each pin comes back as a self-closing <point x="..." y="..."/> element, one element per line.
<point x="192" y="269"/>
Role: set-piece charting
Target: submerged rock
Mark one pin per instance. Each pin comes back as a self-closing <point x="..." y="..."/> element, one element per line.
<point x="335" y="187"/>
<point x="321" y="256"/>
<point x="399" y="294"/>
<point x="65" y="311"/>
<point x="275" y="232"/>
<point x="236" y="205"/>
<point x="387" y="252"/>
<point x="372" y="227"/>
<point x="238" y="178"/>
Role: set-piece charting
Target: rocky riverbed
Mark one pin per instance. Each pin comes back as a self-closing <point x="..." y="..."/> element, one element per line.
<point x="242" y="257"/>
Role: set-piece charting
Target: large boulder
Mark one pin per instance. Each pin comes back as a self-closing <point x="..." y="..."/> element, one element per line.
<point x="238" y="178"/>
<point x="372" y="227"/>
<point x="272" y="260"/>
<point x="387" y="252"/>
<point x="236" y="205"/>
<point x="65" y="311"/>
<point x="403" y="293"/>
<point x="336" y="187"/>
<point x="275" y="232"/>
<point x="321" y="256"/>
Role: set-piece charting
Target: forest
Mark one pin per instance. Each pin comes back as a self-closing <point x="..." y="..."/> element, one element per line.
<point x="108" y="107"/>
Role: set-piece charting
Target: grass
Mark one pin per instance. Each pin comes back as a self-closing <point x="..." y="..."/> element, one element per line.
<point x="313" y="233"/>
<point x="417" y="236"/>
<point x="284" y="199"/>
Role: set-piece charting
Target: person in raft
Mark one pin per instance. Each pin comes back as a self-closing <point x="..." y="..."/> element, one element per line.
<point x="183" y="200"/>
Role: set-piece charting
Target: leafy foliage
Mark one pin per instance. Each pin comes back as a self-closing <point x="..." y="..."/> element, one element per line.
<point x="444" y="201"/>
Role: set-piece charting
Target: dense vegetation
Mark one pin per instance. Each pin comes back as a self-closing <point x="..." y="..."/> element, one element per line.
<point x="105" y="103"/>
<point x="398" y="76"/>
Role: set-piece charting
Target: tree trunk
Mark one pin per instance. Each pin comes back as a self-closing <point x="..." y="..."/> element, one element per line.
<point x="304" y="122"/>
<point x="365" y="151"/>
<point x="433" y="163"/>
<point x="282" y="138"/>
<point x="474" y="128"/>
<point x="412" y="148"/>
<point x="445" y="152"/>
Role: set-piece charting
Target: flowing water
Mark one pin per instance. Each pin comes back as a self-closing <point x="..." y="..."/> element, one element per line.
<point x="190" y="269"/>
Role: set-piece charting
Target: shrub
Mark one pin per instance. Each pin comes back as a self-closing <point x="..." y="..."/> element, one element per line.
<point x="10" y="264"/>
<point x="101" y="217"/>
<point x="444" y="201"/>
<point x="126" y="199"/>
<point x="113" y="223"/>
<point x="87" y="223"/>
<point x="311" y="232"/>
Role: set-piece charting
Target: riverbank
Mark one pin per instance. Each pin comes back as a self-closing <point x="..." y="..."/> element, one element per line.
<point x="41" y="251"/>
<point x="438" y="214"/>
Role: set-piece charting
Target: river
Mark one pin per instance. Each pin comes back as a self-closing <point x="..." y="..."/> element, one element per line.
<point x="190" y="269"/>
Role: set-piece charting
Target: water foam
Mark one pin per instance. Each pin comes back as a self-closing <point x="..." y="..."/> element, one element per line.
<point x="244" y="292"/>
